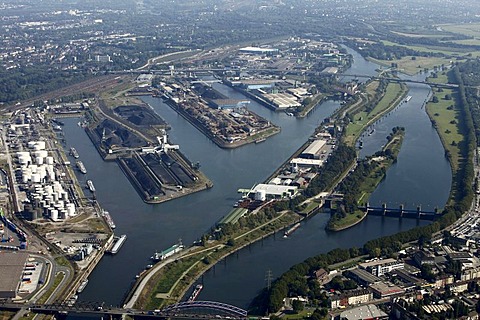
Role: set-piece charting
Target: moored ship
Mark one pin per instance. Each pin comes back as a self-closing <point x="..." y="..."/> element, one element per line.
<point x="82" y="286"/>
<point x="291" y="230"/>
<point x="74" y="153"/>
<point x="195" y="292"/>
<point x="108" y="219"/>
<point x="90" y="185"/>
<point x="118" y="243"/>
<point x="81" y="167"/>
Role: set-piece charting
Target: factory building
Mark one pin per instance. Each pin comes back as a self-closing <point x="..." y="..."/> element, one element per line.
<point x="258" y="51"/>
<point x="11" y="271"/>
<point x="380" y="267"/>
<point x="313" y="150"/>
<point x="264" y="192"/>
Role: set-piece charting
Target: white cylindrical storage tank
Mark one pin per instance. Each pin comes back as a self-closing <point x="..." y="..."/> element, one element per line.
<point x="23" y="160"/>
<point x="55" y="196"/>
<point x="61" y="204"/>
<point x="23" y="154"/>
<point x="261" y="195"/>
<point x="41" y="153"/>
<point x="26" y="177"/>
<point x="36" y="178"/>
<point x="71" y="209"/>
<point x="33" y="168"/>
<point x="39" y="160"/>
<point x="49" y="160"/>
<point x="63" y="214"/>
<point x="31" y="144"/>
<point x="54" y="214"/>
<point x="40" y="145"/>
<point x="49" y="189"/>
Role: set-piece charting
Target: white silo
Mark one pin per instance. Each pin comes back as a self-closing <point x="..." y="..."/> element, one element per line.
<point x="70" y="209"/>
<point x="54" y="214"/>
<point x="36" y="178"/>
<point x="49" y="160"/>
<point x="39" y="160"/>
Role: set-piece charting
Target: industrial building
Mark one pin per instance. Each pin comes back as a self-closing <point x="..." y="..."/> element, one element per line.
<point x="369" y="311"/>
<point x="313" y="150"/>
<point x="264" y="192"/>
<point x="282" y="100"/>
<point x="258" y="50"/>
<point x="380" y="267"/>
<point x="11" y="271"/>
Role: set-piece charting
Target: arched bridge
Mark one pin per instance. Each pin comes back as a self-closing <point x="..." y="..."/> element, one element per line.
<point x="211" y="305"/>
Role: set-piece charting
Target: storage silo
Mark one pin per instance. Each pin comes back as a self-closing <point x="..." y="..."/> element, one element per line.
<point x="54" y="214"/>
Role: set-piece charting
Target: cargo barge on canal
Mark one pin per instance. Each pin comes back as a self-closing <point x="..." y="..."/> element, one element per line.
<point x="117" y="244"/>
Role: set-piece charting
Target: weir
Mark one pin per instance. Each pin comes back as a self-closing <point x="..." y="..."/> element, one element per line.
<point x="401" y="212"/>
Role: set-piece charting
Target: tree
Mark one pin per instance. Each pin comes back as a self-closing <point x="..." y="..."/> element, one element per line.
<point x="435" y="99"/>
<point x="297" y="306"/>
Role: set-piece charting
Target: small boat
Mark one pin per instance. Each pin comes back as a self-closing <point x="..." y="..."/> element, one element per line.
<point x="74" y="153"/>
<point x="81" y="167"/>
<point x="90" y="185"/>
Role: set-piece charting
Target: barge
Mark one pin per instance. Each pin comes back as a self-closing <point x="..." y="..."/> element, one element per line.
<point x="196" y="292"/>
<point x="108" y="219"/>
<point x="118" y="243"/>
<point x="82" y="286"/>
<point x="291" y="230"/>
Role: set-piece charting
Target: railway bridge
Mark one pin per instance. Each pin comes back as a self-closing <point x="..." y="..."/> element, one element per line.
<point x="182" y="310"/>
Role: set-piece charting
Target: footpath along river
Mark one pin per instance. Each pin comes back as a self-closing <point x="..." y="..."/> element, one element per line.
<point x="241" y="276"/>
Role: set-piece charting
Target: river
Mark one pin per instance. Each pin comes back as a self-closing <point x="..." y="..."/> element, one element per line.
<point x="237" y="279"/>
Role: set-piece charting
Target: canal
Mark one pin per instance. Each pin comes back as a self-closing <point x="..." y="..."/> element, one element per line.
<point x="237" y="279"/>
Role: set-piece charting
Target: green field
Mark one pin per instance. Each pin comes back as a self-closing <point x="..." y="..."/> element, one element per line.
<point x="444" y="117"/>
<point x="362" y="120"/>
<point x="468" y="29"/>
<point x="409" y="66"/>
<point x="436" y="49"/>
<point x="420" y="35"/>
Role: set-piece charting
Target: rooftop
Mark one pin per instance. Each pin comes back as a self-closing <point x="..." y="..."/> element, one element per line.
<point x="11" y="269"/>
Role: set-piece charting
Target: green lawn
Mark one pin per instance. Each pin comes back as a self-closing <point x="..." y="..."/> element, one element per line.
<point x="411" y="67"/>
<point x="467" y="29"/>
<point x="445" y="118"/>
<point x="436" y="49"/>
